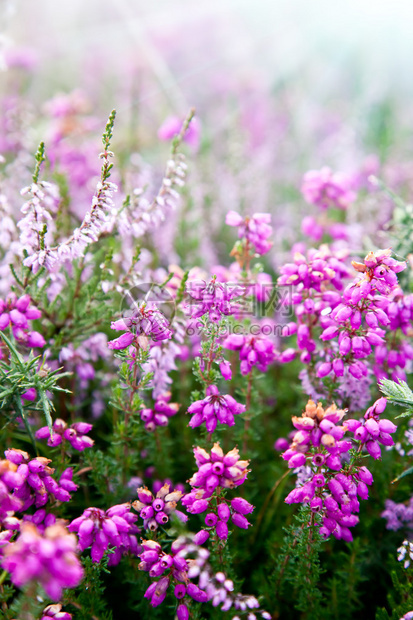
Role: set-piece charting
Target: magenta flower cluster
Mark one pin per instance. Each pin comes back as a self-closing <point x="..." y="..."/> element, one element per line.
<point x="357" y="319"/>
<point x="161" y="412"/>
<point x="214" y="408"/>
<point x="156" y="511"/>
<point x="48" y="559"/>
<point x="9" y="503"/>
<point x="100" y="530"/>
<point x="179" y="569"/>
<point x="217" y="471"/>
<point x="34" y="482"/>
<point x="256" y="230"/>
<point x="256" y="351"/>
<point x="333" y="488"/>
<point x="16" y="313"/>
<point x="365" y="319"/>
<point x="75" y="434"/>
<point x="213" y="298"/>
<point x="327" y="189"/>
<point x="398" y="515"/>
<point x="146" y="322"/>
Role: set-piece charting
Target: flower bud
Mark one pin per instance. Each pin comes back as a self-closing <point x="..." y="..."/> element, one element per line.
<point x="223" y="511"/>
<point x="222" y="530"/>
<point x="241" y="505"/>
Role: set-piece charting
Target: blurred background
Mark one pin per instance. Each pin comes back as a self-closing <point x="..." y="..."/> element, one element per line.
<point x="356" y="45"/>
<point x="279" y="88"/>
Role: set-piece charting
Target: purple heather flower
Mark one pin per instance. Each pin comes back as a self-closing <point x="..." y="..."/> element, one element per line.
<point x="255" y="229"/>
<point x="101" y="218"/>
<point x="173" y="568"/>
<point x="335" y="496"/>
<point x="214" y="408"/>
<point x="55" y="611"/>
<point x="320" y="267"/>
<point x="311" y="228"/>
<point x="41" y="519"/>
<point x="9" y="480"/>
<point x="48" y="559"/>
<point x="75" y="434"/>
<point x="155" y="511"/>
<point x="213" y="298"/>
<point x="217" y="470"/>
<point x="145" y="322"/>
<point x="256" y="351"/>
<point x="79" y="359"/>
<point x="225" y="368"/>
<point x="37" y="212"/>
<point x="398" y="515"/>
<point x="114" y="528"/>
<point x="327" y="189"/>
<point x="182" y="612"/>
<point x="161" y="412"/>
<point x="16" y="313"/>
<point x="35" y="482"/>
<point x="281" y="444"/>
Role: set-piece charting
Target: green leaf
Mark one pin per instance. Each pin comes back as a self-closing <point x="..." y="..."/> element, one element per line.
<point x="406" y="472"/>
<point x="21" y="412"/>
<point x="46" y="405"/>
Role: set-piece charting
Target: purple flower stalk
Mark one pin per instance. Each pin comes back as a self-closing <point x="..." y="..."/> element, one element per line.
<point x="214" y="408"/>
<point x="332" y="489"/>
<point x="49" y="559"/>
<point x="359" y="319"/>
<point x="100" y="530"/>
<point x="43" y="200"/>
<point x="175" y="569"/>
<point x="99" y="219"/>
<point x="218" y="471"/>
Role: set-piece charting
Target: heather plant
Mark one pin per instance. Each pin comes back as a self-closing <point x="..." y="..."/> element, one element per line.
<point x="125" y="354"/>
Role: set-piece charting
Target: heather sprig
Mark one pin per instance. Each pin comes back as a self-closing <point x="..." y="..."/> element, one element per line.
<point x="321" y="443"/>
<point x="99" y="219"/>
<point x="140" y="215"/>
<point x="218" y="472"/>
